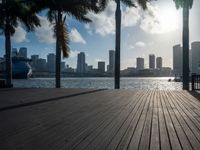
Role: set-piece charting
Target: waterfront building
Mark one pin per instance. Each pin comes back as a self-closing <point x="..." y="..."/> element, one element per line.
<point x="62" y="66"/>
<point x="178" y="60"/>
<point x="89" y="68"/>
<point x="140" y="63"/>
<point x="152" y="61"/>
<point x="14" y="52"/>
<point x="159" y="62"/>
<point x="195" y="57"/>
<point x="23" y="52"/>
<point x="101" y="66"/>
<point x="81" y="65"/>
<point x="51" y="62"/>
<point x="34" y="61"/>
<point x="41" y="64"/>
<point x="111" y="66"/>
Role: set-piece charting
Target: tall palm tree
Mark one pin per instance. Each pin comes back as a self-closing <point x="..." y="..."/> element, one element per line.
<point x="13" y="12"/>
<point x="130" y="3"/>
<point x="186" y="5"/>
<point x="58" y="10"/>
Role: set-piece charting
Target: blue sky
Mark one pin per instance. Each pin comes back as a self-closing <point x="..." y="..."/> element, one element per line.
<point x="153" y="31"/>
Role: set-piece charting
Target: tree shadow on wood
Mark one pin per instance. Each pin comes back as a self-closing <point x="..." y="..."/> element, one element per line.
<point x="48" y="100"/>
<point x="195" y="94"/>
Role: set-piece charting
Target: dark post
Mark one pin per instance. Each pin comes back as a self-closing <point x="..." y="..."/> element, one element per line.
<point x="58" y="51"/>
<point x="186" y="48"/>
<point x="8" y="49"/>
<point x="192" y="82"/>
<point x="117" y="45"/>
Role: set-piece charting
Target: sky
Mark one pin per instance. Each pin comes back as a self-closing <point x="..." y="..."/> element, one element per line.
<point x="153" y="31"/>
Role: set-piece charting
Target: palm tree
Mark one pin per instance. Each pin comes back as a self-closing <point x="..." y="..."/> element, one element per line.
<point x="58" y="10"/>
<point x="186" y="5"/>
<point x="129" y="3"/>
<point x="13" y="12"/>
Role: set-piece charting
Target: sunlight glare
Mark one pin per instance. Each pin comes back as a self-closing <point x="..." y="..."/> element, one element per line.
<point x="169" y="19"/>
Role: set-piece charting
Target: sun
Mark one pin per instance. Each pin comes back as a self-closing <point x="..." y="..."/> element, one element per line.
<point x="169" y="19"/>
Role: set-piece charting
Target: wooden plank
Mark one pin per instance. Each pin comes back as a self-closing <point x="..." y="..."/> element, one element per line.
<point x="110" y="119"/>
<point x="102" y="139"/>
<point x="183" y="139"/>
<point x="188" y="118"/>
<point x="163" y="130"/>
<point x="174" y="139"/>
<point x="135" y="139"/>
<point x="186" y="128"/>
<point x="155" y="135"/>
<point x="146" y="133"/>
<point x="125" y="140"/>
<point x="114" y="143"/>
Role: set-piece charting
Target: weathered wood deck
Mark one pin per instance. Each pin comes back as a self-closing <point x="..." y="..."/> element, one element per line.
<point x="62" y="119"/>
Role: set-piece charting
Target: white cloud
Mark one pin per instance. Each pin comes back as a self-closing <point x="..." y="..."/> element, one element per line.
<point x="73" y="54"/>
<point x="76" y="37"/>
<point x="20" y="35"/>
<point x="140" y="44"/>
<point x="130" y="17"/>
<point x="98" y="59"/>
<point x="159" y="21"/>
<point x="104" y="23"/>
<point x="45" y="32"/>
<point x="130" y="47"/>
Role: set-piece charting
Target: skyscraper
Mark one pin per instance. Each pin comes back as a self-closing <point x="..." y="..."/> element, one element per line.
<point x="51" y="62"/>
<point x="62" y="66"/>
<point x="34" y="61"/>
<point x="111" y="66"/>
<point x="177" y="60"/>
<point x="41" y="64"/>
<point x="159" y="62"/>
<point x="14" y="52"/>
<point x="140" y="63"/>
<point x="23" y="52"/>
<point x="81" y="63"/>
<point x="101" y="66"/>
<point x="152" y="61"/>
<point x="195" y="57"/>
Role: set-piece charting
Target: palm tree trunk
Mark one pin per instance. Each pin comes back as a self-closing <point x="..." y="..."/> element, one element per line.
<point x="58" y="51"/>
<point x="8" y="55"/>
<point x="186" y="48"/>
<point x="117" y="45"/>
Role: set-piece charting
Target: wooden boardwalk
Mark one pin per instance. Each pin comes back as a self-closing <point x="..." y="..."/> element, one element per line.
<point x="65" y="119"/>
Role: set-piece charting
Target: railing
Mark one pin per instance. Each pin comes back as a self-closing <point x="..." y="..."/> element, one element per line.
<point x="195" y="82"/>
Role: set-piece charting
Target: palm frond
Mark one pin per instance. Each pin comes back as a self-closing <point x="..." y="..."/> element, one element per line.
<point x="61" y="33"/>
<point x="183" y="3"/>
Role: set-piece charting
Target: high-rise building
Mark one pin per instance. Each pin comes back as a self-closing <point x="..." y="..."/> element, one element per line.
<point x="81" y="65"/>
<point x="14" y="52"/>
<point x="195" y="57"/>
<point x="101" y="66"/>
<point x="152" y="61"/>
<point x="90" y="68"/>
<point x="177" y="60"/>
<point x="111" y="66"/>
<point x="140" y="63"/>
<point x="34" y="61"/>
<point x="41" y="64"/>
<point x="62" y="66"/>
<point x="23" y="52"/>
<point x="51" y="62"/>
<point x="159" y="62"/>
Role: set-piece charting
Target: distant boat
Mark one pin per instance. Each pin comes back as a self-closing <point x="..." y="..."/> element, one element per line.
<point x="20" y="68"/>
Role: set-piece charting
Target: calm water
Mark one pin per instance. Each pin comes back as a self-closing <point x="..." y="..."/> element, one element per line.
<point x="126" y="83"/>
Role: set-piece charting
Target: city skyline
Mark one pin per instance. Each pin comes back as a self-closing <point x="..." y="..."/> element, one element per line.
<point x="155" y="62"/>
<point x="137" y="40"/>
<point x="82" y="64"/>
